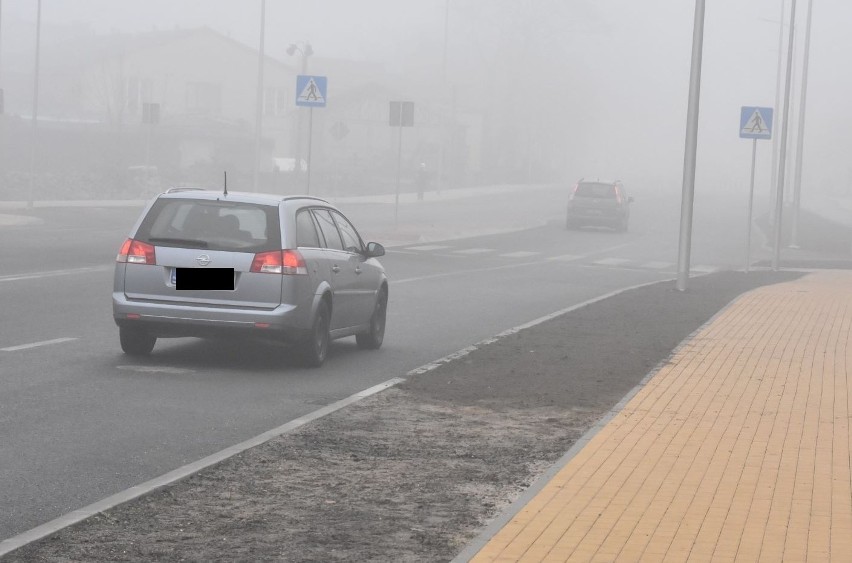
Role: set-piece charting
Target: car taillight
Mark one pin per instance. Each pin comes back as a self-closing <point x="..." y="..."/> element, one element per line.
<point x="618" y="197"/>
<point x="136" y="252"/>
<point x="288" y="262"/>
<point x="574" y="192"/>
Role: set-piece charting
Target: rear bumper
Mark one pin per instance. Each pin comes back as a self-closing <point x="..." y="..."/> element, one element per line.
<point x="166" y="319"/>
<point x="587" y="217"/>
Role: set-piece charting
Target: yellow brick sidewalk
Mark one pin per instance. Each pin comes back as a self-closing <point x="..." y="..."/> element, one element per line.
<point x="738" y="449"/>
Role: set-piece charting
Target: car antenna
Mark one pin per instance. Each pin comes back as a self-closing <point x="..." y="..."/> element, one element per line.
<point x="226" y="182"/>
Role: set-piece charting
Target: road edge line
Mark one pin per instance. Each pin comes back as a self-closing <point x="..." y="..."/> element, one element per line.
<point x="20" y="540"/>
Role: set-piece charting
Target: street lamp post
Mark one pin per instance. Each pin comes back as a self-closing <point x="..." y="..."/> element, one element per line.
<point x="34" y="140"/>
<point x="258" y="115"/>
<point x="779" y="191"/>
<point x="797" y="185"/>
<point x="774" y="174"/>
<point x="442" y="125"/>
<point x="690" y="150"/>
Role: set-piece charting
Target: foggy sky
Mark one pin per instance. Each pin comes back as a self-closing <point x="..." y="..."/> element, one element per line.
<point x="617" y="70"/>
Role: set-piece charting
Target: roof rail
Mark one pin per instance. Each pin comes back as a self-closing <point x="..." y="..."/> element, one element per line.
<point x="185" y="189"/>
<point x="289" y="197"/>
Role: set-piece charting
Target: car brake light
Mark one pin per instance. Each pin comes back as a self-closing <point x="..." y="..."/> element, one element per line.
<point x="293" y="262"/>
<point x="618" y="197"/>
<point x="574" y="192"/>
<point x="136" y="252"/>
<point x="288" y="262"/>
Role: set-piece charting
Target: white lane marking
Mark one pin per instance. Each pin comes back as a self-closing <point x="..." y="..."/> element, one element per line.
<point x="657" y="265"/>
<point x="155" y="369"/>
<point x="36" y="344"/>
<point x="612" y="261"/>
<point x="463" y="272"/>
<point x="566" y="257"/>
<point x="54" y="273"/>
<point x="473" y="251"/>
<point x="428" y="247"/>
<point x="520" y="254"/>
<point x="704" y="269"/>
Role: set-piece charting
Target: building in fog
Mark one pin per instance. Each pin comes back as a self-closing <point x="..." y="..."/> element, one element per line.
<point x="132" y="113"/>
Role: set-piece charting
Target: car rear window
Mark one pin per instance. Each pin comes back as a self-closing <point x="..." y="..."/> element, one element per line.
<point x="595" y="189"/>
<point x="213" y="225"/>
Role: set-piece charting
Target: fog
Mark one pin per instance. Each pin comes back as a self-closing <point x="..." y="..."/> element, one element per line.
<point x="531" y="91"/>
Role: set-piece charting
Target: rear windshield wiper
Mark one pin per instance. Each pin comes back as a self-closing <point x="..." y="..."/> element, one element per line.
<point x="186" y="241"/>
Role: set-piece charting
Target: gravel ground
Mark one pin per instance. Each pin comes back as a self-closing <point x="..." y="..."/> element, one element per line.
<point x="415" y="472"/>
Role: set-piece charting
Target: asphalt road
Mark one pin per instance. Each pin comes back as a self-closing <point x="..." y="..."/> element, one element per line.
<point x="81" y="421"/>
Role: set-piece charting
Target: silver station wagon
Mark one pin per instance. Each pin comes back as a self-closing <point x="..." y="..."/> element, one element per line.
<point x="288" y="269"/>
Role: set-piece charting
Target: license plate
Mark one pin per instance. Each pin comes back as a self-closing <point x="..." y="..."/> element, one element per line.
<point x="211" y="279"/>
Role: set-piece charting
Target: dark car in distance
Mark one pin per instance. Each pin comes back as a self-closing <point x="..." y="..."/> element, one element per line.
<point x="599" y="204"/>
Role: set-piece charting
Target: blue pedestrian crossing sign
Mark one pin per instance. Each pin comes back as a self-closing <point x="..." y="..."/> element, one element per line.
<point x="311" y="91"/>
<point x="755" y="123"/>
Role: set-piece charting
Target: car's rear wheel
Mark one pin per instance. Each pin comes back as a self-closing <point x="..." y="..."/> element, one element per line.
<point x="135" y="341"/>
<point x="372" y="339"/>
<point x="315" y="347"/>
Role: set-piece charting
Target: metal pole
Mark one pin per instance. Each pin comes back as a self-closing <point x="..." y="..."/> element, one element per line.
<point x="690" y="149"/>
<point x="779" y="192"/>
<point x="148" y="149"/>
<point x="300" y="119"/>
<point x="398" y="169"/>
<point x="791" y="139"/>
<point x="442" y="126"/>
<point x="773" y="182"/>
<point x="35" y="109"/>
<point x="310" y="144"/>
<point x="797" y="187"/>
<point x="258" y="112"/>
<point x="750" y="204"/>
<point x="1" y="41"/>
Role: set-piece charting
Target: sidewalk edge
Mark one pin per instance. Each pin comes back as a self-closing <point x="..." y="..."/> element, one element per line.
<point x="507" y="514"/>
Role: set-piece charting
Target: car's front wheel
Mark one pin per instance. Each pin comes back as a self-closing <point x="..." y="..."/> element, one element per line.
<point x="135" y="341"/>
<point x="372" y="339"/>
<point x="315" y="347"/>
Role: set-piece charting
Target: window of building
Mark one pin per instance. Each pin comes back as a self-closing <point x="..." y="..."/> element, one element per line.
<point x="204" y="97"/>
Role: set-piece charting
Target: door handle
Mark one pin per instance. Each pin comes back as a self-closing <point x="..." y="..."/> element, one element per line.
<point x="335" y="268"/>
<point x="357" y="269"/>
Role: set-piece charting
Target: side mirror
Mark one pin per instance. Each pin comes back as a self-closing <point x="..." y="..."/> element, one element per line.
<point x="374" y="250"/>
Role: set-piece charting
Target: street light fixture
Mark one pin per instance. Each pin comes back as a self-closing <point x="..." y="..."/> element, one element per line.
<point x="306" y="51"/>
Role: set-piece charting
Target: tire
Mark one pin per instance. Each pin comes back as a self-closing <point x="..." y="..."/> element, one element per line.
<point x="135" y="341"/>
<point x="372" y="339"/>
<point x="315" y="347"/>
